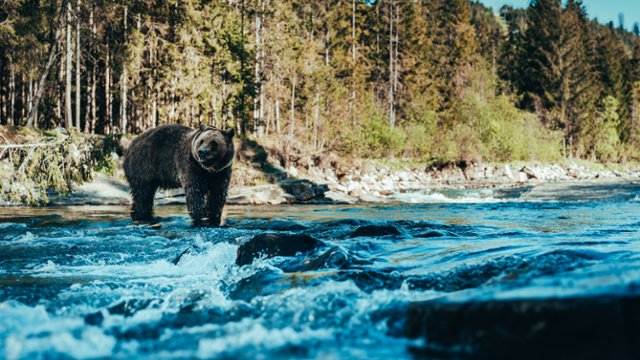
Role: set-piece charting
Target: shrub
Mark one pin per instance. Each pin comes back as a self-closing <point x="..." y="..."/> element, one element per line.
<point x="373" y="137"/>
<point x="493" y="129"/>
<point x="422" y="133"/>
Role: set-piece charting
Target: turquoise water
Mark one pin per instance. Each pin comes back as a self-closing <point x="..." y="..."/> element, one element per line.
<point x="83" y="282"/>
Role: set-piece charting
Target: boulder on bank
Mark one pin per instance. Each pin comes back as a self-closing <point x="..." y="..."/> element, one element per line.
<point x="578" y="328"/>
<point x="272" y="245"/>
<point x="303" y="190"/>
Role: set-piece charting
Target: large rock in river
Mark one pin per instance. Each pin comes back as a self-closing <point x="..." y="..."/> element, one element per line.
<point x="271" y="245"/>
<point x="605" y="327"/>
<point x="375" y="230"/>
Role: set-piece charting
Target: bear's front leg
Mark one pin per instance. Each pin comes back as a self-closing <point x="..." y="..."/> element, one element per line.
<point x="215" y="204"/>
<point x="142" y="209"/>
<point x="217" y="196"/>
<point x="196" y="203"/>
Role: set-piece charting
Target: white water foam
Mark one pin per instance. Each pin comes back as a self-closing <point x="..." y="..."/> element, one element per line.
<point x="31" y="331"/>
<point x="431" y="197"/>
<point x="258" y="337"/>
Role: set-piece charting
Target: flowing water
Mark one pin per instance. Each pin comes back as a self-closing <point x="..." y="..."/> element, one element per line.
<point x="83" y="282"/>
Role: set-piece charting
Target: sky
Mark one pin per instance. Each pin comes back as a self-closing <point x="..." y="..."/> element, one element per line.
<point x="604" y="10"/>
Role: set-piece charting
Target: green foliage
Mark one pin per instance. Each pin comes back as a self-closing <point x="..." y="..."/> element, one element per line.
<point x="373" y="137"/>
<point x="600" y="138"/>
<point x="54" y="163"/>
<point x="102" y="150"/>
<point x="381" y="140"/>
<point x="493" y="129"/>
<point x="333" y="74"/>
<point x="41" y="163"/>
<point x="420" y="138"/>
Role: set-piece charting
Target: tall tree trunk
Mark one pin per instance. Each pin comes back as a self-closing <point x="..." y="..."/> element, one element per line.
<point x="50" y="59"/>
<point x="30" y="100"/>
<point x="353" y="62"/>
<point x="154" y="103"/>
<point x="316" y="117"/>
<point x="214" y="111"/>
<point x="392" y="115"/>
<point x="278" y="115"/>
<point x="4" y="89"/>
<point x="243" y="70"/>
<point x="12" y="94"/>
<point x="396" y="62"/>
<point x="172" y="108"/>
<point x="152" y="83"/>
<point x="123" y="81"/>
<point x="269" y="119"/>
<point x="327" y="45"/>
<point x="87" y="108"/>
<point x="107" y="91"/>
<point x="60" y="90"/>
<point x="68" y="113"/>
<point x="23" y="102"/>
<point x="78" y="87"/>
<point x="257" y="121"/>
<point x="292" y="121"/>
<point x="90" y="112"/>
<point x="3" y="98"/>
<point x="92" y="97"/>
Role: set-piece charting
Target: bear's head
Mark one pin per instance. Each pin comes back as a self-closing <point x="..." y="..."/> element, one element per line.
<point x="213" y="148"/>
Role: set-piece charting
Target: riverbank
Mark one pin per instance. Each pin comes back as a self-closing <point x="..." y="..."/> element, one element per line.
<point x="381" y="185"/>
<point x="272" y="172"/>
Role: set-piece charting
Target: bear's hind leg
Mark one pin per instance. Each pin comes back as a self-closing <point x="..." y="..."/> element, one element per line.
<point x="142" y="209"/>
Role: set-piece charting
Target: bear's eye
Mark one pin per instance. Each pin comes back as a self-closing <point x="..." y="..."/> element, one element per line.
<point x="213" y="146"/>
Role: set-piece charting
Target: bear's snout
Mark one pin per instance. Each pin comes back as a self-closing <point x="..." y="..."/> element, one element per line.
<point x="209" y="154"/>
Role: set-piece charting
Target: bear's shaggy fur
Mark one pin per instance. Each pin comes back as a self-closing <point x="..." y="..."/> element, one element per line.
<point x="173" y="156"/>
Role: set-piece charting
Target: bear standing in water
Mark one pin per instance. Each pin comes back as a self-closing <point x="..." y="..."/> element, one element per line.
<point x="173" y="156"/>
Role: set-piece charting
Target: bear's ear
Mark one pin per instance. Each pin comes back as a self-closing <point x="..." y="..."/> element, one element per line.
<point x="203" y="127"/>
<point x="230" y="132"/>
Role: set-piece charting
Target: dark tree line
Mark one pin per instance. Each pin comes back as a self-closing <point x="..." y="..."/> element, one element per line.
<point x="430" y="78"/>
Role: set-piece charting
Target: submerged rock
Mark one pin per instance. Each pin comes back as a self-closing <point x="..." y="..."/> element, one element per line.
<point x="126" y="308"/>
<point x="577" y="328"/>
<point x="262" y="283"/>
<point x="332" y="258"/>
<point x="375" y="230"/>
<point x="435" y="234"/>
<point x="271" y="245"/>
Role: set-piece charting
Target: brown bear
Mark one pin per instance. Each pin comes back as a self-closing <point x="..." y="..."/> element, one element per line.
<point x="173" y="156"/>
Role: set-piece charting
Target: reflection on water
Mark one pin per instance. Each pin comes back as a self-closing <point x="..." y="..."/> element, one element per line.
<point x="83" y="282"/>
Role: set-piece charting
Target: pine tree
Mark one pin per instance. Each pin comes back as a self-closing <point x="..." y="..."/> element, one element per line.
<point x="559" y="75"/>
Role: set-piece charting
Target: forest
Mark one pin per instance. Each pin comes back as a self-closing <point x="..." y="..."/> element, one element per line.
<point x="429" y="79"/>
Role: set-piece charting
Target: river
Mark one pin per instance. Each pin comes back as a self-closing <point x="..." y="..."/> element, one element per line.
<point x="83" y="282"/>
